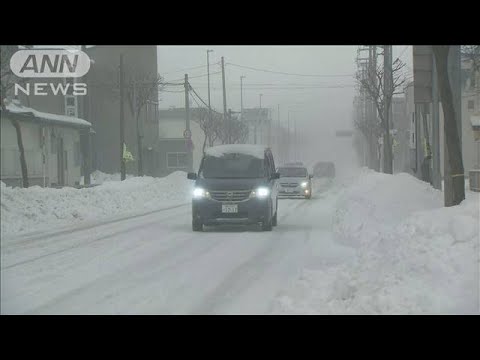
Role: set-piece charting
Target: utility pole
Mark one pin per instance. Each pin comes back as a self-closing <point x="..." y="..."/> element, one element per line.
<point x="388" y="83"/>
<point x="229" y="126"/>
<point x="454" y="75"/>
<point x="436" y="176"/>
<point x="87" y="138"/>
<point x="122" y="121"/>
<point x="208" y="75"/>
<point x="187" y="124"/>
<point x="224" y="91"/>
<point x="136" y="112"/>
<point x="260" y="120"/>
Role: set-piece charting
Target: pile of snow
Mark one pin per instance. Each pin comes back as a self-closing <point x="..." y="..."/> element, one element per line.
<point x="257" y="151"/>
<point x="36" y="208"/>
<point x="413" y="256"/>
<point x="97" y="177"/>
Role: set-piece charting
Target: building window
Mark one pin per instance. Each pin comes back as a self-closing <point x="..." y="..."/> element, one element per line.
<point x="176" y="160"/>
<point x="71" y="112"/>
<point x="70" y="101"/>
<point x="471" y="105"/>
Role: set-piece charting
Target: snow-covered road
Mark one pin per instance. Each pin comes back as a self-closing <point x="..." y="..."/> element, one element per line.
<point x="155" y="264"/>
<point x="368" y="244"/>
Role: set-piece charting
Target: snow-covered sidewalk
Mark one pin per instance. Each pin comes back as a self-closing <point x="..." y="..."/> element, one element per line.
<point x="36" y="208"/>
<point x="412" y="254"/>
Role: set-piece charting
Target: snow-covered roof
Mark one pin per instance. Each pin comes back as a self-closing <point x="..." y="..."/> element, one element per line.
<point x="17" y="108"/>
<point x="257" y="151"/>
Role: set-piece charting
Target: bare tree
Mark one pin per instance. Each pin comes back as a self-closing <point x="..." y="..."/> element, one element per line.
<point x="472" y="53"/>
<point x="8" y="80"/>
<point x="370" y="129"/>
<point x="382" y="95"/>
<point x="141" y="88"/>
<point x="208" y="123"/>
<point x="452" y="139"/>
<point x="238" y="131"/>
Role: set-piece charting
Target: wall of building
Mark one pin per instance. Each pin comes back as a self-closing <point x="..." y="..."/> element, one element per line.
<point x="103" y="109"/>
<point x="39" y="173"/>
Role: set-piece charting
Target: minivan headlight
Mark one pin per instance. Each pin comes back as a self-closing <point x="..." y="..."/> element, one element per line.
<point x="199" y="193"/>
<point x="261" y="192"/>
<point x="304" y="184"/>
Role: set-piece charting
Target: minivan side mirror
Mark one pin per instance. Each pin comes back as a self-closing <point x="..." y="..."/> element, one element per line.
<point x="276" y="176"/>
<point x="192" y="176"/>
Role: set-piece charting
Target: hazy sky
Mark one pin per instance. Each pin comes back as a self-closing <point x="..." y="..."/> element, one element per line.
<point x="321" y="103"/>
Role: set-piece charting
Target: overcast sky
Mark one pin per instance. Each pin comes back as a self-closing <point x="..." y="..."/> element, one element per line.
<point x="320" y="102"/>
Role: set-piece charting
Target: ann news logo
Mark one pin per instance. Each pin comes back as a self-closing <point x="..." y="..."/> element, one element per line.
<point x="57" y="63"/>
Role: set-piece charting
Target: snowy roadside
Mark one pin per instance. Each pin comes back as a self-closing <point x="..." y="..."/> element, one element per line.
<point x="37" y="209"/>
<point x="412" y="254"/>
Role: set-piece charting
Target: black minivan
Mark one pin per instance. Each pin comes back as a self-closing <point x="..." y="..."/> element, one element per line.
<point x="235" y="184"/>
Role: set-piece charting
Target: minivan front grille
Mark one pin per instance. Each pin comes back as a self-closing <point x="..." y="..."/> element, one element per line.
<point x="230" y="195"/>
<point x="289" y="184"/>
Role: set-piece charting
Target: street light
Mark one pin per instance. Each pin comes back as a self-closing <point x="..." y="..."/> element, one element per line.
<point x="208" y="75"/>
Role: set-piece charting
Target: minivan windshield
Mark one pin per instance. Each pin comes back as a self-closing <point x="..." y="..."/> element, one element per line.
<point x="232" y="165"/>
<point x="292" y="172"/>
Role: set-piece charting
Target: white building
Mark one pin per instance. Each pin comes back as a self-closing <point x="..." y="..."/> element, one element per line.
<point x="172" y="144"/>
<point x="470" y="111"/>
<point x="51" y="143"/>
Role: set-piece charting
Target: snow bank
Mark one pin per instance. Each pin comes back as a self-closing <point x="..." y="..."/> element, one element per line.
<point x="98" y="177"/>
<point x="413" y="255"/>
<point x="36" y="208"/>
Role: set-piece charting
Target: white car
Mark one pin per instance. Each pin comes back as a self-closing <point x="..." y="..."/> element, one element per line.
<point x="295" y="182"/>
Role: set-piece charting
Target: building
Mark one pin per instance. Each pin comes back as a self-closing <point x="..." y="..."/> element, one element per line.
<point x="102" y="106"/>
<point x="470" y="114"/>
<point x="173" y="146"/>
<point x="51" y="144"/>
<point x="259" y="125"/>
<point x="420" y="137"/>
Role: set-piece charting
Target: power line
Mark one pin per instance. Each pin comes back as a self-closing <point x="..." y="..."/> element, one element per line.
<point x="182" y="70"/>
<point x="284" y="73"/>
<point x="196" y="102"/>
<point x="288" y="88"/>
<point x="198" y="76"/>
<point x="279" y="84"/>
<point x="198" y="96"/>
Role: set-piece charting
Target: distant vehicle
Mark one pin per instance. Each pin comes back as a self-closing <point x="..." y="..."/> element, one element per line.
<point x="236" y="184"/>
<point x="324" y="169"/>
<point x="295" y="181"/>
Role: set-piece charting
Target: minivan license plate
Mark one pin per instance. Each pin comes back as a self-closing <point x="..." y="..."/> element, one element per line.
<point x="229" y="208"/>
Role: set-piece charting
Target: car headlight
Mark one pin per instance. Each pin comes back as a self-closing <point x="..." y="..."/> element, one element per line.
<point x="200" y="193"/>
<point x="261" y="192"/>
<point x="304" y="184"/>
